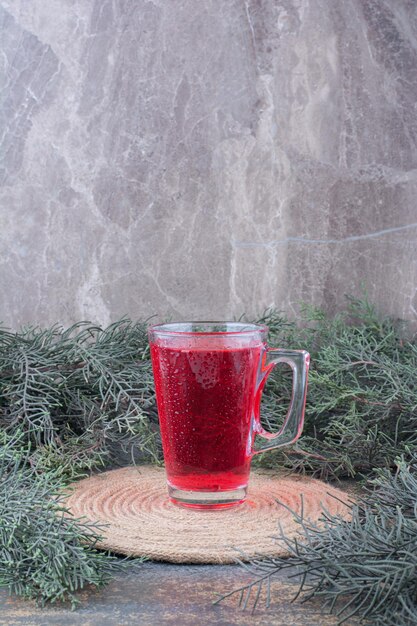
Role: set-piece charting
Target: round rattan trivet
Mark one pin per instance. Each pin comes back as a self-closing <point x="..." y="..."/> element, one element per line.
<point x="141" y="520"/>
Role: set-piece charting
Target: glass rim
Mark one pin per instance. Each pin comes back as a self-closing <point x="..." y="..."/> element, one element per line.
<point x="172" y="328"/>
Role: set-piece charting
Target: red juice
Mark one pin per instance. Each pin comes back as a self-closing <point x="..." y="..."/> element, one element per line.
<point x="205" y="400"/>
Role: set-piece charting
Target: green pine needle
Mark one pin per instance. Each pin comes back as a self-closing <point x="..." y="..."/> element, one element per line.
<point x="44" y="554"/>
<point x="365" y="567"/>
<point x="361" y="411"/>
<point x="84" y="394"/>
<point x="82" y="399"/>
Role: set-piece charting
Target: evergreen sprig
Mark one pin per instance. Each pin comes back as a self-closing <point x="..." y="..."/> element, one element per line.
<point x="366" y="566"/>
<point x="81" y="394"/>
<point x="45" y="553"/>
<point x="85" y="396"/>
<point x="75" y="400"/>
<point x="361" y="411"/>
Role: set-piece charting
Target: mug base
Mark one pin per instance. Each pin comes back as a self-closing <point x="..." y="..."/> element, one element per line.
<point x="207" y="500"/>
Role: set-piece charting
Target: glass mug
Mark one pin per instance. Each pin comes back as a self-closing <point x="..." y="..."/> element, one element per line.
<point x="209" y="378"/>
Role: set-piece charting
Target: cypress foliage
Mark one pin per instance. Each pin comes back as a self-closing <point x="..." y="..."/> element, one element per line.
<point x="82" y="399"/>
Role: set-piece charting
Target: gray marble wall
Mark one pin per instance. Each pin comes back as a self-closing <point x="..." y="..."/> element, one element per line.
<point x="204" y="158"/>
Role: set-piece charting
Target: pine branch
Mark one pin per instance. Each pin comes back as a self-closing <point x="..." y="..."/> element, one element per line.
<point x="75" y="400"/>
<point x="361" y="408"/>
<point x="86" y="384"/>
<point x="364" y="567"/>
<point x="45" y="554"/>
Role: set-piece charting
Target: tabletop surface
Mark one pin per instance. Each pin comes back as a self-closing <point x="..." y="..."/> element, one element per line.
<point x="160" y="593"/>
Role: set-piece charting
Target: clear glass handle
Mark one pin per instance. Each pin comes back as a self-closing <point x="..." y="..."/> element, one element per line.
<point x="299" y="361"/>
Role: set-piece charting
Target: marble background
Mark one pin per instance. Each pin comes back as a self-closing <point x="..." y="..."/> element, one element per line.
<point x="200" y="159"/>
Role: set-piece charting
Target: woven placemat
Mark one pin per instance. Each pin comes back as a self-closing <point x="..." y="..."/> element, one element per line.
<point x="141" y="520"/>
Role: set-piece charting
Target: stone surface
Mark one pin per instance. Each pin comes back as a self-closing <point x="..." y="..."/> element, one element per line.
<point x="204" y="159"/>
<point x="170" y="594"/>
